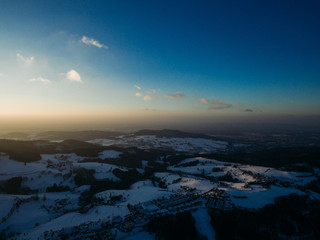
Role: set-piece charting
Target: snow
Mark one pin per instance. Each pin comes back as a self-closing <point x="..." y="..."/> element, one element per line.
<point x="6" y="203"/>
<point x="144" y="163"/>
<point x="61" y="157"/>
<point x="202" y="222"/>
<point x="60" y="210"/>
<point x="240" y="145"/>
<point x="11" y="168"/>
<point x="239" y="186"/>
<point x="299" y="178"/>
<point x="109" y="154"/>
<point x="75" y="219"/>
<point x="167" y="177"/>
<point x="38" y="176"/>
<point x="204" y="166"/>
<point x="40" y="181"/>
<point x="99" y="167"/>
<point x="102" y="141"/>
<point x="140" y="170"/>
<point x="177" y="144"/>
<point x="26" y="217"/>
<point x="139" y="192"/>
<point x="238" y="171"/>
<point x="258" y="197"/>
<point x="194" y="169"/>
<point x="106" y="175"/>
<point x="82" y="188"/>
<point x="199" y="184"/>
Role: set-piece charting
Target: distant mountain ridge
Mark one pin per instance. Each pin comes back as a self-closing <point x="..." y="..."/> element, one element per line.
<point x="95" y="134"/>
<point x="77" y="135"/>
<point x="172" y="133"/>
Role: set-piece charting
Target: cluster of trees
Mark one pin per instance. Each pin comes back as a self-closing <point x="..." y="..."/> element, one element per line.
<point x="228" y="178"/>
<point x="189" y="164"/>
<point x="175" y="159"/>
<point x="86" y="177"/>
<point x="14" y="186"/>
<point x="291" y="217"/>
<point x="314" y="185"/>
<point x="56" y="188"/>
<point x="29" y="151"/>
<point x="22" y="151"/>
<point x="174" y="227"/>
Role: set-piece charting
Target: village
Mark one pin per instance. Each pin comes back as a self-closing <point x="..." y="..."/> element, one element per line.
<point x="140" y="214"/>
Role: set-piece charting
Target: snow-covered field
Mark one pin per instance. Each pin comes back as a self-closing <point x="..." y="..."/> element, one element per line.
<point x="139" y="192"/>
<point x="109" y="154"/>
<point x="72" y="219"/>
<point x="189" y="184"/>
<point x="202" y="220"/>
<point x="191" y="145"/>
<point x="257" y="196"/>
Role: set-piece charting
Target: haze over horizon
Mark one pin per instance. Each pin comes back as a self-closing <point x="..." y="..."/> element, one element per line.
<point x="116" y="65"/>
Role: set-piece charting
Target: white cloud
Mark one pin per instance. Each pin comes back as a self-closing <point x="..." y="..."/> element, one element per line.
<point x="203" y="100"/>
<point x="93" y="42"/>
<point x="137" y="87"/>
<point x="215" y="104"/>
<point x="26" y="60"/>
<point x="176" y="95"/>
<point x="147" y="98"/>
<point x="40" y="79"/>
<point x="73" y="76"/>
<point x="138" y="94"/>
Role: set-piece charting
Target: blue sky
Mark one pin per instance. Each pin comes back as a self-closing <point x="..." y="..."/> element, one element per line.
<point x="207" y="58"/>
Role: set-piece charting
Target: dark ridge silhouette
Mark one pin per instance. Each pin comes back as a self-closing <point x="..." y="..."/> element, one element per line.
<point x="172" y="133"/>
<point x="29" y="151"/>
<point x="77" y="135"/>
<point x="22" y="151"/>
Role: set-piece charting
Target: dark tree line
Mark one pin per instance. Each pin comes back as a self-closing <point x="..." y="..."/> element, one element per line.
<point x="293" y="216"/>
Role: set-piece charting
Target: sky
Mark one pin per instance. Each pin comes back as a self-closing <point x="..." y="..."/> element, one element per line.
<point x="158" y="61"/>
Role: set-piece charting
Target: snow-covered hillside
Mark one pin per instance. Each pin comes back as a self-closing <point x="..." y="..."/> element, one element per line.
<point x="72" y="195"/>
<point x="191" y="145"/>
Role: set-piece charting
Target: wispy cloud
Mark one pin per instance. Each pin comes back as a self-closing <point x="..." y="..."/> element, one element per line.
<point x="218" y="104"/>
<point x="246" y="110"/>
<point x="93" y="42"/>
<point x="203" y="100"/>
<point x="147" y="98"/>
<point x="40" y="79"/>
<point x="137" y="87"/>
<point x="26" y="60"/>
<point x="176" y="95"/>
<point x="215" y="104"/>
<point x="73" y="76"/>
